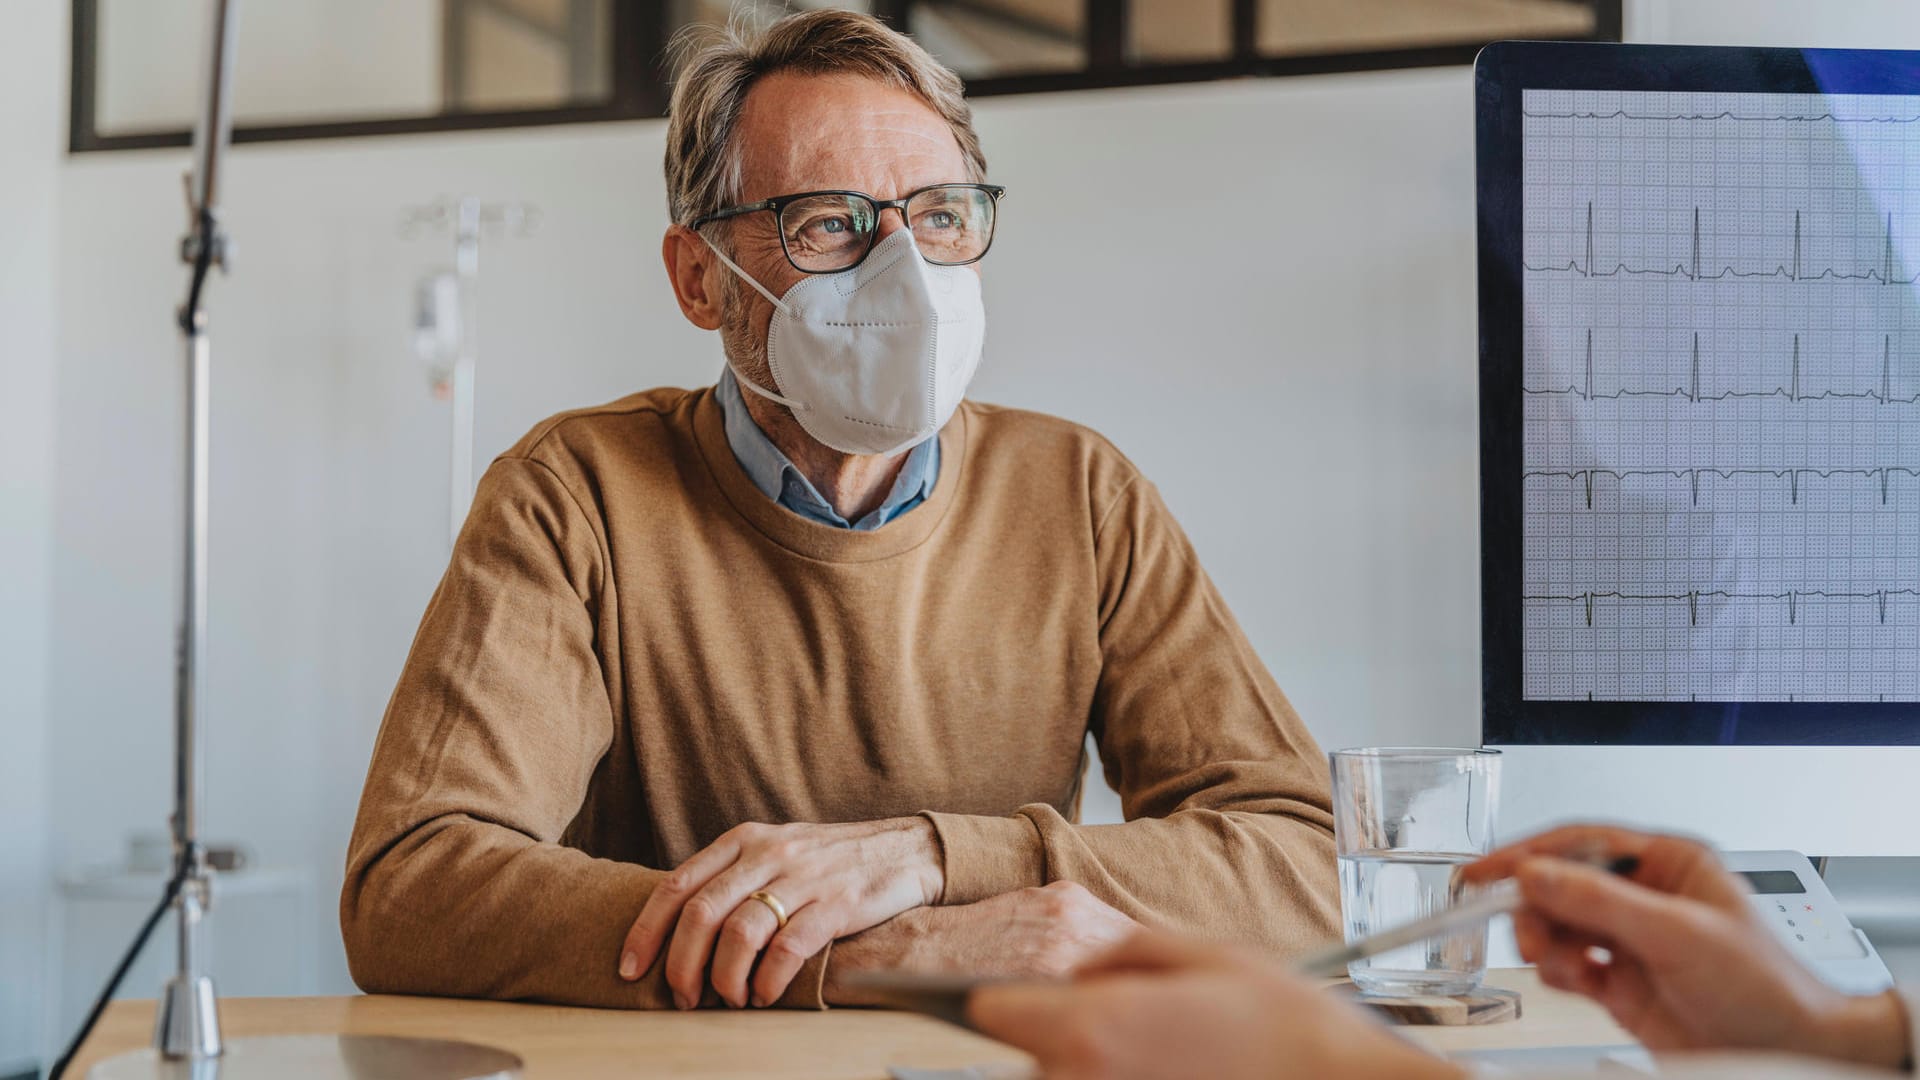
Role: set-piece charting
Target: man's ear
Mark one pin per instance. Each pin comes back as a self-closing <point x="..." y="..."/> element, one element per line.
<point x="689" y="261"/>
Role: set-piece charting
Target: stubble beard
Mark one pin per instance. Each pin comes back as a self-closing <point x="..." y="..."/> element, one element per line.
<point x="744" y="349"/>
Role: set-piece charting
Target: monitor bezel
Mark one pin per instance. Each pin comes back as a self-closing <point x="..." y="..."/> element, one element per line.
<point x="1501" y="72"/>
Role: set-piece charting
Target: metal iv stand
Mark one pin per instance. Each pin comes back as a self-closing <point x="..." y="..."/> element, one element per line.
<point x="187" y="1023"/>
<point x="446" y="321"/>
<point x="187" y="1044"/>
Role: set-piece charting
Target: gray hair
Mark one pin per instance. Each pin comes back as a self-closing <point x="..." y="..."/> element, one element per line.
<point x="716" y="68"/>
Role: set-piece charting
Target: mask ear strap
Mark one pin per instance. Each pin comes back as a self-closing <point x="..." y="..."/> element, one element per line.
<point x="748" y="278"/>
<point x="797" y="406"/>
<point x="776" y="302"/>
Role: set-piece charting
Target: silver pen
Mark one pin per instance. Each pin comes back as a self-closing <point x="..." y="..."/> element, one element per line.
<point x="1332" y="960"/>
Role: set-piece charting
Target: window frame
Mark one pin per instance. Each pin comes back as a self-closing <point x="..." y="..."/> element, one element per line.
<point x="639" y="30"/>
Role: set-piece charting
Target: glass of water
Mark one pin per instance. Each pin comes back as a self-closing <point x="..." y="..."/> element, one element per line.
<point x="1405" y="820"/>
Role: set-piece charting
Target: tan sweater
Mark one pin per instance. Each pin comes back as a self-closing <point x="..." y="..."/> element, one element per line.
<point x="634" y="650"/>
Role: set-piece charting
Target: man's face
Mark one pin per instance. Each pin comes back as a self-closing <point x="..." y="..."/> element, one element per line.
<point x="817" y="133"/>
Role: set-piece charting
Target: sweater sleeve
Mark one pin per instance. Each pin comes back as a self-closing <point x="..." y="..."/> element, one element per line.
<point x="1229" y="830"/>
<point x="457" y="881"/>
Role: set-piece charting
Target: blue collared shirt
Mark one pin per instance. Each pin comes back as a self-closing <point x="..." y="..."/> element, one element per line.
<point x="782" y="482"/>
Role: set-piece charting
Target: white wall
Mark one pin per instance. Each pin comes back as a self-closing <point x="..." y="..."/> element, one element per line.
<point x="1287" y="348"/>
<point x="1833" y="24"/>
<point x="31" y="78"/>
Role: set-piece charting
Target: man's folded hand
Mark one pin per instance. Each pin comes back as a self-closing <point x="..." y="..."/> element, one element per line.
<point x="832" y="881"/>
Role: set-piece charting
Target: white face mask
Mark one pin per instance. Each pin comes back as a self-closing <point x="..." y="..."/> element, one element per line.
<point x="875" y="359"/>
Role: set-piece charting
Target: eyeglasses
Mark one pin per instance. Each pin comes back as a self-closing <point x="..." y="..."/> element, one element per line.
<point x="823" y="232"/>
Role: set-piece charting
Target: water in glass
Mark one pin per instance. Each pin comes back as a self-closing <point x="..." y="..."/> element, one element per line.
<point x="1382" y="889"/>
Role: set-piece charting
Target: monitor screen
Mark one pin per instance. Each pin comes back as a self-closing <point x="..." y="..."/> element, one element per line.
<point x="1722" y="377"/>
<point x="1706" y="389"/>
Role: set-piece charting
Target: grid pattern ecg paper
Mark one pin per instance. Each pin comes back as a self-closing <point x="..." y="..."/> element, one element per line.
<point x="1722" y="396"/>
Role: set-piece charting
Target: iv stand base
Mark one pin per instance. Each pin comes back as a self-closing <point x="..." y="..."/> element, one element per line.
<point x="187" y="1024"/>
<point x="323" y="1057"/>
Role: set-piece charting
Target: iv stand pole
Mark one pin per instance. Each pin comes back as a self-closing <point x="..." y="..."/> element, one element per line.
<point x="186" y="1035"/>
<point x="187" y="1023"/>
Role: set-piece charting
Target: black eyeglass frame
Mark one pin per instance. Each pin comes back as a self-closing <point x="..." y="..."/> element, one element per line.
<point x="880" y="206"/>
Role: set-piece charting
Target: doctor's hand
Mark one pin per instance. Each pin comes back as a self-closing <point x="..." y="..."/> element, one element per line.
<point x="833" y="880"/>
<point x="1676" y="952"/>
<point x="1158" y="1008"/>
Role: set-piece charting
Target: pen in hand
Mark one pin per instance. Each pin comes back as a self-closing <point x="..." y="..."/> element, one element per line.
<point x="1332" y="960"/>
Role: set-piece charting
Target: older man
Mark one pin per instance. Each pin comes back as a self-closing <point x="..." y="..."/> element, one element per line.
<point x="717" y="679"/>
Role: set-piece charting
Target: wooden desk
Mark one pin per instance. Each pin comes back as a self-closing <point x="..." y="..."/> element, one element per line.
<point x="1547" y="1018"/>
<point x="852" y="1043"/>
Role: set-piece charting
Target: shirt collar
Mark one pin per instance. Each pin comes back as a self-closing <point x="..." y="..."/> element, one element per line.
<point x="780" y="480"/>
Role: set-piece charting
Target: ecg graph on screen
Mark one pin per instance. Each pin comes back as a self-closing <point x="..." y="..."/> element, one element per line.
<point x="1790" y="268"/>
<point x="1789" y="387"/>
<point x="1721" y="466"/>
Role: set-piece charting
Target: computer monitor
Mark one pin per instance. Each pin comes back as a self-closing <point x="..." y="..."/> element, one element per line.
<point x="1700" y="440"/>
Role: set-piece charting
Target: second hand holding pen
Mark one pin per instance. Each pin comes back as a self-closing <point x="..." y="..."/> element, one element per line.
<point x="1332" y="961"/>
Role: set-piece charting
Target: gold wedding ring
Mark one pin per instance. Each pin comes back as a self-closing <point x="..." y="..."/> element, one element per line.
<point x="773" y="904"/>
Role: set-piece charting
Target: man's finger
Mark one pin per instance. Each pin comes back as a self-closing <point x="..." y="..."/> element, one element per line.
<point x="662" y="908"/>
<point x="698" y="928"/>
<point x="742" y="937"/>
<point x="811" y="929"/>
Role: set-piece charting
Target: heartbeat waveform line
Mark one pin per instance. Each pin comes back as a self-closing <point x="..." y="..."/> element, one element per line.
<point x="1790" y="390"/>
<point x="1728" y="114"/>
<point x="1704" y="196"/>
<point x="1792" y="270"/>
<point x="1692" y="598"/>
<point x="1792" y="475"/>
